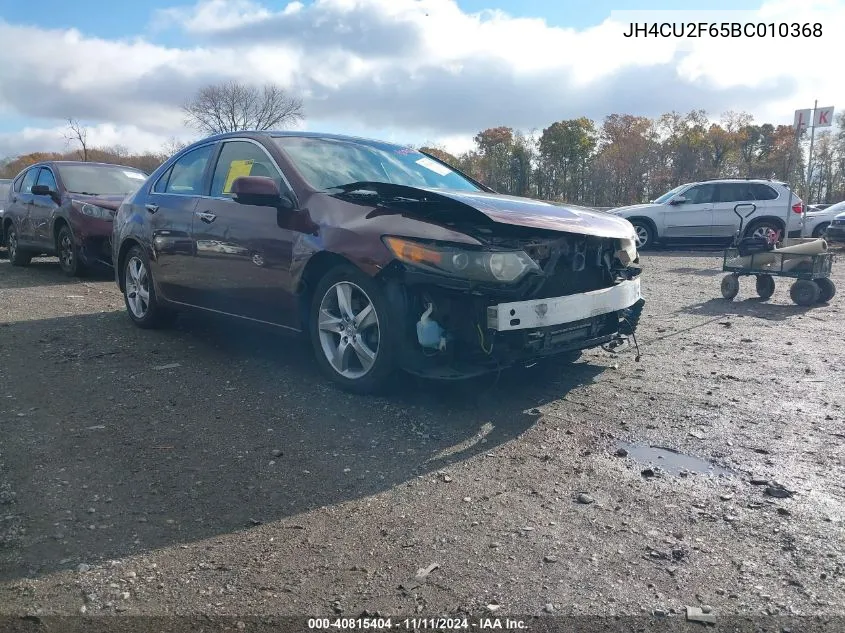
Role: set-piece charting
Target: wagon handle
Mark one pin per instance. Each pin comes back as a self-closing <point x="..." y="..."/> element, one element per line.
<point x="742" y="217"/>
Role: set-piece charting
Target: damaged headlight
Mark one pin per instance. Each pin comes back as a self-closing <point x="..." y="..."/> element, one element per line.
<point x="476" y="265"/>
<point x="629" y="248"/>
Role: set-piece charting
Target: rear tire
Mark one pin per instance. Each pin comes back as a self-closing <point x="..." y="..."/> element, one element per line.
<point x="761" y="228"/>
<point x="827" y="289"/>
<point x="765" y="286"/>
<point x="805" y="292"/>
<point x="352" y="331"/>
<point x="17" y="257"/>
<point x="144" y="308"/>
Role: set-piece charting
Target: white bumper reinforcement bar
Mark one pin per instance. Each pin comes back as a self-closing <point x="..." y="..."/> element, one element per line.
<point x="521" y="315"/>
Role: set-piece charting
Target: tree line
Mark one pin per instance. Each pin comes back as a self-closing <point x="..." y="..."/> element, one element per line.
<point x="625" y="159"/>
<point x="630" y="159"/>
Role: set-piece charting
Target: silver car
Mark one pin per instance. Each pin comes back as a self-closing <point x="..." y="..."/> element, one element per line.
<point x="704" y="211"/>
<point x="817" y="221"/>
<point x="5" y="185"/>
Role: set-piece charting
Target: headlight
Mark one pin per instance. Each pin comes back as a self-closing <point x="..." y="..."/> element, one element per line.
<point x="476" y="265"/>
<point x="630" y="247"/>
<point x="93" y="211"/>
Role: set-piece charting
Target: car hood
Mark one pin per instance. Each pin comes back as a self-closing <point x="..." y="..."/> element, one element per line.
<point x="107" y="202"/>
<point x="634" y="208"/>
<point x="504" y="209"/>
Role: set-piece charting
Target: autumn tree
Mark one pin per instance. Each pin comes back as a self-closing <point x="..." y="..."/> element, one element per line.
<point x="233" y="106"/>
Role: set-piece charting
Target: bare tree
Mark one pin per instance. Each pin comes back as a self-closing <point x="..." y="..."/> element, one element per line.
<point x="232" y="106"/>
<point x="77" y="133"/>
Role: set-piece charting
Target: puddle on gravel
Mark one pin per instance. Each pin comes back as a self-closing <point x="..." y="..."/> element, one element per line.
<point x="672" y="462"/>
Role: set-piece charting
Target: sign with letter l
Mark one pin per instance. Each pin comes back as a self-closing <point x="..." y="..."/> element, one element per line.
<point x="802" y="119"/>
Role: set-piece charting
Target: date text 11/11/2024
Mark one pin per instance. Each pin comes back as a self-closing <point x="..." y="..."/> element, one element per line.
<point x="724" y="29"/>
<point x="417" y="624"/>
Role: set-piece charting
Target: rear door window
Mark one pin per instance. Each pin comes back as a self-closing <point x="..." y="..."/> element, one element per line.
<point x="242" y="158"/>
<point x="763" y="192"/>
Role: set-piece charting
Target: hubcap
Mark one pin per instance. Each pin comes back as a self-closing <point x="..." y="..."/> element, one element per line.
<point x="13" y="244"/>
<point x="66" y="251"/>
<point x="349" y="330"/>
<point x="137" y="287"/>
<point x="642" y="235"/>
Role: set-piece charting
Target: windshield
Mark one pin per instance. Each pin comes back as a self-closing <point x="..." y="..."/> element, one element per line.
<point x="329" y="163"/>
<point x="668" y="195"/>
<point x="101" y="180"/>
<point x="834" y="208"/>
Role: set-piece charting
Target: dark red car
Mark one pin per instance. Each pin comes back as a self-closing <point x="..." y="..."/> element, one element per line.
<point x="387" y="258"/>
<point x="66" y="208"/>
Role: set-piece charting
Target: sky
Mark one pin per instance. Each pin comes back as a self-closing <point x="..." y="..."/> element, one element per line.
<point x="409" y="71"/>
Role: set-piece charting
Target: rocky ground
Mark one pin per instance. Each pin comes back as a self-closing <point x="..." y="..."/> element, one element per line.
<point x="210" y="469"/>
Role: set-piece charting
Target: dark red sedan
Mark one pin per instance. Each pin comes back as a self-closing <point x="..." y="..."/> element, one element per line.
<point x="387" y="258"/>
<point x="66" y="208"/>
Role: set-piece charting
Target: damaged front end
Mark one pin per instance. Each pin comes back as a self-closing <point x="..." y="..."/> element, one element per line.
<point x="525" y="294"/>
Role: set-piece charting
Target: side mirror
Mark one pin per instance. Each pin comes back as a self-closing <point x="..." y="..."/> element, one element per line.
<point x="678" y="200"/>
<point x="259" y="191"/>
<point x="41" y="190"/>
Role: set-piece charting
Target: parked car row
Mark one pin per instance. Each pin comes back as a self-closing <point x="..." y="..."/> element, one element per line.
<point x="65" y="208"/>
<point x="386" y="258"/>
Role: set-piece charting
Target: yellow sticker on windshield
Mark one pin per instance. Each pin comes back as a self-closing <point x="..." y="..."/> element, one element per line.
<point x="237" y="169"/>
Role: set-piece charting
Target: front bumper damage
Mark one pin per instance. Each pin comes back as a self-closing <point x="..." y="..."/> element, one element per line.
<point x="573" y="304"/>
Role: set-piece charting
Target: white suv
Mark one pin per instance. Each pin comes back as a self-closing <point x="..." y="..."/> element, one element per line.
<point x="704" y="211"/>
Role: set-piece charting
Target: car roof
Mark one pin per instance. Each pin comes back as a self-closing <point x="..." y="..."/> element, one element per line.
<point x="292" y="133"/>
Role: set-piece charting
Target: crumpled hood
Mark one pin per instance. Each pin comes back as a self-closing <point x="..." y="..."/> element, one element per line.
<point x="543" y="215"/>
<point x="107" y="202"/>
<point x="633" y="208"/>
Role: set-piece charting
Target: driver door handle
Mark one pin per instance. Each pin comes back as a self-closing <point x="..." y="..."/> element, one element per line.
<point x="206" y="216"/>
<point x="152" y="208"/>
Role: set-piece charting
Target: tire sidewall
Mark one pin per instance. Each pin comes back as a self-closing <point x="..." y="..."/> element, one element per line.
<point x="74" y="270"/>
<point x="379" y="377"/>
<point x="649" y="232"/>
<point x="16" y="258"/>
<point x="155" y="312"/>
<point x="760" y="223"/>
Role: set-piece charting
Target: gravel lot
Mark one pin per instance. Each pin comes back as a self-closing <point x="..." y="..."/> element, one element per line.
<point x="211" y="469"/>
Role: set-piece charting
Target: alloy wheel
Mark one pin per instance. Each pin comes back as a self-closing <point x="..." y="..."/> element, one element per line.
<point x="642" y="235"/>
<point x="137" y="285"/>
<point x="66" y="254"/>
<point x="349" y="330"/>
<point x="763" y="231"/>
<point x="12" y="243"/>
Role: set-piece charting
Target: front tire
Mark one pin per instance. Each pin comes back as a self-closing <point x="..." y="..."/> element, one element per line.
<point x="765" y="286"/>
<point x="17" y="257"/>
<point x="805" y="292"/>
<point x="645" y="234"/>
<point x="352" y="332"/>
<point x="68" y="253"/>
<point x="820" y="229"/>
<point x="730" y="287"/>
<point x="144" y="308"/>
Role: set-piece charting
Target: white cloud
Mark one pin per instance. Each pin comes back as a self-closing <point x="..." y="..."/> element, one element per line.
<point x="422" y="68"/>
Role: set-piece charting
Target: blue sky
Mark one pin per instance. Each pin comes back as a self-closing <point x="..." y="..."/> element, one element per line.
<point x="387" y="68"/>
<point x="99" y="18"/>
